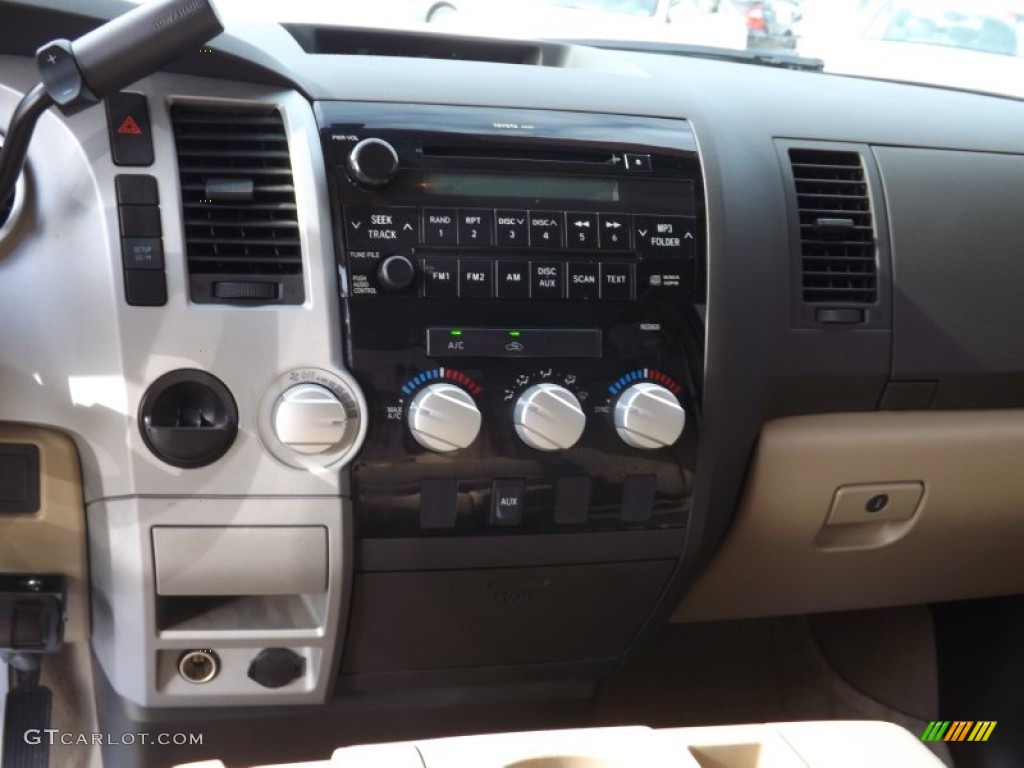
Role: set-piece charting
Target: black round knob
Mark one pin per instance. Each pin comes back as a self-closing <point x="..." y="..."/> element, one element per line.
<point x="276" y="667"/>
<point x="395" y="273"/>
<point x="372" y="163"/>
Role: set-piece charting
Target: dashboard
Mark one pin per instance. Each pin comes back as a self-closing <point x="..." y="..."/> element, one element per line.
<point x="401" y="362"/>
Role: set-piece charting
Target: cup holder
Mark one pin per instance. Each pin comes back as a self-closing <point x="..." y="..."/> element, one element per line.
<point x="188" y="418"/>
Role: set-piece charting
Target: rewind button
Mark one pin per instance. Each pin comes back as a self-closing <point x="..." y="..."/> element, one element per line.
<point x="581" y="230"/>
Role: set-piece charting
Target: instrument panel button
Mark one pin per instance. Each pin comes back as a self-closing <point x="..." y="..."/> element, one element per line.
<point x="547" y="279"/>
<point x="546" y="229"/>
<point x="616" y="281"/>
<point x="508" y="497"/>
<point x="382" y="228"/>
<point x="513" y="280"/>
<point x="142" y="252"/>
<point x="581" y="230"/>
<point x="439" y="226"/>
<point x="440" y="278"/>
<point x="583" y="281"/>
<point x="476" y="226"/>
<point x="512" y="230"/>
<point x="616" y="231"/>
<point x="476" y="279"/>
<point x="638" y="163"/>
<point x="665" y="236"/>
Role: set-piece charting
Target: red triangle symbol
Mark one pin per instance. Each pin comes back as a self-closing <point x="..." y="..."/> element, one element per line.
<point x="129" y="126"/>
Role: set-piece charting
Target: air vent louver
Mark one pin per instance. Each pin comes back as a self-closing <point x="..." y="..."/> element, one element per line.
<point x="238" y="199"/>
<point x="837" y="233"/>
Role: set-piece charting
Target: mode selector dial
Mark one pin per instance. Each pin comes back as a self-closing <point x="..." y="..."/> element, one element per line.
<point x="310" y="419"/>
<point x="372" y="163"/>
<point x="548" y="417"/>
<point x="648" y="416"/>
<point x="443" y="417"/>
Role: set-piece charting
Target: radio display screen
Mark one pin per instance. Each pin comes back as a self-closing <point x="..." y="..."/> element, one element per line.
<point x="519" y="185"/>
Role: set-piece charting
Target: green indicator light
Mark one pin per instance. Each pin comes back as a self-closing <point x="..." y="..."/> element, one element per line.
<point x="456" y="333"/>
<point x="514" y="334"/>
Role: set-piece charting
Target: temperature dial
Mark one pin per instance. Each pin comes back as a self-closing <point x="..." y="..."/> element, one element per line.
<point x="549" y="417"/>
<point x="372" y="163"/>
<point x="310" y="419"/>
<point x="649" y="416"/>
<point x="443" y="417"/>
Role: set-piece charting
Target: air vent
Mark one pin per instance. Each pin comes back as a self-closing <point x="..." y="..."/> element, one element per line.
<point x="238" y="198"/>
<point x="837" y="234"/>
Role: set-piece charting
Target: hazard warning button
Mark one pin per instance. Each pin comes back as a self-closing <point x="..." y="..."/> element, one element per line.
<point x="131" y="141"/>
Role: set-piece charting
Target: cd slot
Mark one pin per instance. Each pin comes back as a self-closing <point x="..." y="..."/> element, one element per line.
<point x="521" y="153"/>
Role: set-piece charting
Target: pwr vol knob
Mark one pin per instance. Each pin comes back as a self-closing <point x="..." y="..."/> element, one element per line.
<point x="443" y="418"/>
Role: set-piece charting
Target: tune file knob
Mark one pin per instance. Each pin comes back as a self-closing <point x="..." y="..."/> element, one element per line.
<point x="372" y="163"/>
<point x="443" y="417"/>
<point x="648" y="416"/>
<point x="395" y="273"/>
<point x="548" y="417"/>
<point x="310" y="419"/>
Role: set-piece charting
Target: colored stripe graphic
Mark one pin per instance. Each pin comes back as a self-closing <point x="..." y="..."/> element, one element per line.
<point x="958" y="730"/>
<point x="982" y="730"/>
<point x="935" y="731"/>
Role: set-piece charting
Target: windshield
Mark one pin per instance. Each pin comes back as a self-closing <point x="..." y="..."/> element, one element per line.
<point x="969" y="44"/>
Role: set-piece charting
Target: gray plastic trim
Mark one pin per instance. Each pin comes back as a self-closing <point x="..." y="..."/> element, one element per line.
<point x="76" y="355"/>
<point x="240" y="560"/>
<point x="141" y="661"/>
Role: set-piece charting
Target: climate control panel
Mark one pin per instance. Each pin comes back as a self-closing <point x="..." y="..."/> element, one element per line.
<point x="596" y="427"/>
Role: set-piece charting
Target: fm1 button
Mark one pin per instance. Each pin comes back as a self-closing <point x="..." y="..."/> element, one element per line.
<point x="513" y="280"/>
<point x="508" y="497"/>
<point x="581" y="230"/>
<point x="476" y="279"/>
<point x="440" y="278"/>
<point x="546" y="279"/>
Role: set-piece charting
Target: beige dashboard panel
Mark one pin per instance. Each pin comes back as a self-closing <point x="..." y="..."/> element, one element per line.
<point x="51" y="540"/>
<point x="820" y="744"/>
<point x="962" y="539"/>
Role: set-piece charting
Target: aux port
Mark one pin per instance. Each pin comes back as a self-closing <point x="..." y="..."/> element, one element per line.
<point x="198" y="666"/>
